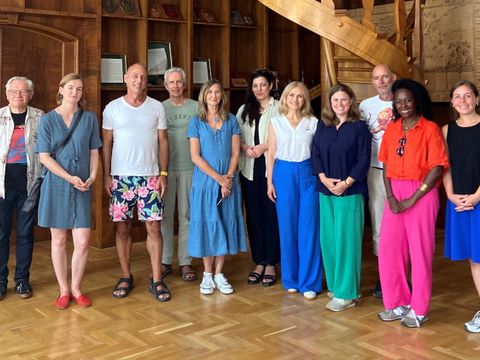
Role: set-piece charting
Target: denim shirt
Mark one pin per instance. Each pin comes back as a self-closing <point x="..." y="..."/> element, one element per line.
<point x="34" y="167"/>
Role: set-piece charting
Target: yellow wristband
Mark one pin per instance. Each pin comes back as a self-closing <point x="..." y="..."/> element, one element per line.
<point x="163" y="173"/>
<point x="423" y="187"/>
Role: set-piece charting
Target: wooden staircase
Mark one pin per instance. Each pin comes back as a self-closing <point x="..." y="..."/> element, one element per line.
<point x="350" y="49"/>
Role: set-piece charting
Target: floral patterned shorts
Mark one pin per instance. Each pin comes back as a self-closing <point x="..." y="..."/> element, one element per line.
<point x="142" y="191"/>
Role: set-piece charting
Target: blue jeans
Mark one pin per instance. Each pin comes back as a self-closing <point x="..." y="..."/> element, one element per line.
<point x="24" y="246"/>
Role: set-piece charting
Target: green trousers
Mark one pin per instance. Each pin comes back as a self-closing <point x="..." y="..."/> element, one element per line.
<point x="341" y="234"/>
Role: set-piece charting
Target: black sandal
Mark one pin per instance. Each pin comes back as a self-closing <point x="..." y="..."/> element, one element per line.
<point x="158" y="293"/>
<point x="126" y="289"/>
<point x="167" y="269"/>
<point x="257" y="277"/>
<point x="269" y="279"/>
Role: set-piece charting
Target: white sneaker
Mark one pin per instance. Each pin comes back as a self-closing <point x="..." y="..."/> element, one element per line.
<point x="337" y="304"/>
<point x="292" y="291"/>
<point x="310" y="295"/>
<point x="473" y="325"/>
<point x="207" y="287"/>
<point x="222" y="284"/>
<point x="394" y="314"/>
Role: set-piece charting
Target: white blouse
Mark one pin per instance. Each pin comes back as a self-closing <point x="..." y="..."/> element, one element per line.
<point x="293" y="144"/>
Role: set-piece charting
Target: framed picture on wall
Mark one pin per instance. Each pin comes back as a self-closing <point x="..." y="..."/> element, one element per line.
<point x="202" y="70"/>
<point x="159" y="61"/>
<point x="113" y="68"/>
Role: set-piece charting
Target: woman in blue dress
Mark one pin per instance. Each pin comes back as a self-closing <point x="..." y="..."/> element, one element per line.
<point x="65" y="198"/>
<point x="216" y="223"/>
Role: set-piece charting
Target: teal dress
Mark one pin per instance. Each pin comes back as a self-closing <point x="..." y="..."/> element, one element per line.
<point x="61" y="205"/>
<point x="215" y="230"/>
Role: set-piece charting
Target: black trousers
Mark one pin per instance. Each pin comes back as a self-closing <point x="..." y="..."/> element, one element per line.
<point x="262" y="224"/>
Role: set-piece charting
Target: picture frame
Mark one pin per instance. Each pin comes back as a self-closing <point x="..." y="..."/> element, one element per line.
<point x="113" y="68"/>
<point x="159" y="61"/>
<point x="202" y="70"/>
<point x="171" y="12"/>
<point x="238" y="82"/>
<point x="248" y="20"/>
<point x="121" y="7"/>
<point x="236" y="18"/>
<point x="207" y="15"/>
<point x="155" y="9"/>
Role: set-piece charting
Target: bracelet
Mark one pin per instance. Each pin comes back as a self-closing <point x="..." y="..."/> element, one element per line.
<point x="346" y="183"/>
<point x="423" y="187"/>
<point x="163" y="173"/>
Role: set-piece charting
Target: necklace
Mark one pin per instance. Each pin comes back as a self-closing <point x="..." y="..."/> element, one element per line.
<point x="216" y="119"/>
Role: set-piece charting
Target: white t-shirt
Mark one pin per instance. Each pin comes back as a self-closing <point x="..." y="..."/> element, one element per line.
<point x="293" y="144"/>
<point x="377" y="114"/>
<point x="135" y="136"/>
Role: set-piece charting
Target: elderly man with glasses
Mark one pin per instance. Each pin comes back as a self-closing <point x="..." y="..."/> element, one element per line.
<point x="19" y="167"/>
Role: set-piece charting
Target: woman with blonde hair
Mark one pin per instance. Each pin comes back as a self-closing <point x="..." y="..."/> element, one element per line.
<point x="293" y="188"/>
<point x="216" y="224"/>
<point x="68" y="143"/>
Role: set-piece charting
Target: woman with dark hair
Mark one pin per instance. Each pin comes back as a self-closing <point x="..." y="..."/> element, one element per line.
<point x="66" y="197"/>
<point x="216" y="224"/>
<point x="254" y="118"/>
<point x="341" y="159"/>
<point x="291" y="186"/>
<point x="414" y="157"/>
<point x="462" y="184"/>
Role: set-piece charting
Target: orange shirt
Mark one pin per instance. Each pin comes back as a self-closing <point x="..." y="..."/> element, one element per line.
<point x="423" y="150"/>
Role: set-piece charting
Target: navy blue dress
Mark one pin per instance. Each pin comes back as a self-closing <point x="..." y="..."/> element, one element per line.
<point x="61" y="205"/>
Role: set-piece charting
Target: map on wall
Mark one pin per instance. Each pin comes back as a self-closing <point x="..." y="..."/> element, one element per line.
<point x="451" y="28"/>
<point x="448" y="35"/>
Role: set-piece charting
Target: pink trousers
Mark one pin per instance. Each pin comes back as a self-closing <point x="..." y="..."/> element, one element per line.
<point x="408" y="237"/>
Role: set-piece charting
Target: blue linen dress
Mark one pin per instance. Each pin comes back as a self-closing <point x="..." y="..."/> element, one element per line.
<point x="215" y="230"/>
<point x="61" y="205"/>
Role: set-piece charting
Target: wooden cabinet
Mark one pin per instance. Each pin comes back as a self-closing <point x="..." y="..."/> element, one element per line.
<point x="237" y="36"/>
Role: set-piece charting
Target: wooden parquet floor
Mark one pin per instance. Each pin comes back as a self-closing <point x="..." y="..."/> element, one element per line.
<point x="253" y="323"/>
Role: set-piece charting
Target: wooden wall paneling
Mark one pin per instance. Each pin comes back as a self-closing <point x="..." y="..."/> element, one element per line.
<point x="308" y="53"/>
<point x="12" y="5"/>
<point x="283" y="48"/>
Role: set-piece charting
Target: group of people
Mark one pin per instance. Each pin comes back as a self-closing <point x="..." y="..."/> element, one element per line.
<point x="304" y="182"/>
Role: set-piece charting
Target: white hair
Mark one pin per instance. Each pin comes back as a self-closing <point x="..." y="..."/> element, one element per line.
<point x="175" y="70"/>
<point x="19" y="78"/>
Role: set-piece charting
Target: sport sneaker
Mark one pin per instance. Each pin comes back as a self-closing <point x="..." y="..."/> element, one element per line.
<point x="394" y="314"/>
<point x="310" y="295"/>
<point x="473" y="325"/>
<point x="222" y="284"/>
<point x="207" y="287"/>
<point x="412" y="320"/>
<point x="23" y="289"/>
<point x="337" y="304"/>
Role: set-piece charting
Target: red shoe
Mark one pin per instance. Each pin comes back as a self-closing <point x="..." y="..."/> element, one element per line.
<point x="62" y="302"/>
<point x="83" y="300"/>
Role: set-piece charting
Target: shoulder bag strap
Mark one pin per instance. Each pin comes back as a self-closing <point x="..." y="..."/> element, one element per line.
<point x="70" y="134"/>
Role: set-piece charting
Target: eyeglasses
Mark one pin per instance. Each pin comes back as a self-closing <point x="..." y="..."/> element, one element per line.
<point x="20" y="92"/>
<point x="401" y="148"/>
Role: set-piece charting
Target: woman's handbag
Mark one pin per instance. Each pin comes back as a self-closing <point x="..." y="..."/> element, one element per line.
<point x="34" y="195"/>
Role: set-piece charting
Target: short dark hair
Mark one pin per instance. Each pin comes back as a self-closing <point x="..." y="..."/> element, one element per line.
<point x="423" y="103"/>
